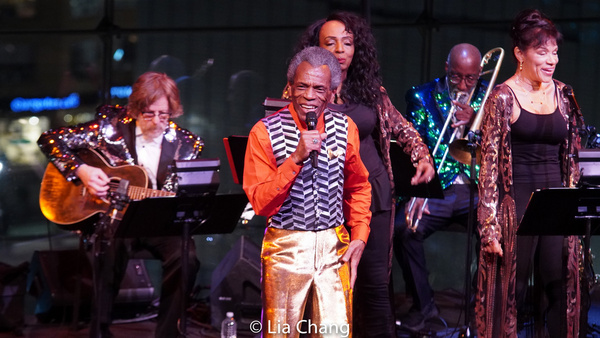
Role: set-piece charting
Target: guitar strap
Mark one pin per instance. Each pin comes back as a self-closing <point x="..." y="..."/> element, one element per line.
<point x="128" y="132"/>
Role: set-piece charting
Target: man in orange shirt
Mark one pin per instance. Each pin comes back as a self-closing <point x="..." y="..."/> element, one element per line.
<point x="308" y="182"/>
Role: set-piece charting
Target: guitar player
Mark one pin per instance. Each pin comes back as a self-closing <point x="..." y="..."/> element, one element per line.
<point x="141" y="134"/>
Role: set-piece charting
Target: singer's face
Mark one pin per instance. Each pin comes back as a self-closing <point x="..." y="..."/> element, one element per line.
<point x="311" y="89"/>
<point x="539" y="63"/>
<point x="334" y="37"/>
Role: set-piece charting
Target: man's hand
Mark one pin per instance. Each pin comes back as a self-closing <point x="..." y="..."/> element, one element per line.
<point x="424" y="174"/>
<point x="417" y="210"/>
<point x="464" y="114"/>
<point x="309" y="140"/>
<point x="352" y="255"/>
<point x="94" y="179"/>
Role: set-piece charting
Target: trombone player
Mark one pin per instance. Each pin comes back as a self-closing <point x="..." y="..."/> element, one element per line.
<point x="458" y="93"/>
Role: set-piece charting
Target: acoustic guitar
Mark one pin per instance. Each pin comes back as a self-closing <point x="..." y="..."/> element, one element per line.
<point x="73" y="208"/>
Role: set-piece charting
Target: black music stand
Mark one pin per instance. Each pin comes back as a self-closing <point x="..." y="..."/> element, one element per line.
<point x="404" y="170"/>
<point x="196" y="210"/>
<point x="564" y="212"/>
<point x="235" y="147"/>
<point x="589" y="165"/>
<point x="272" y="105"/>
<point x="182" y="216"/>
<point x="561" y="212"/>
<point x="158" y="216"/>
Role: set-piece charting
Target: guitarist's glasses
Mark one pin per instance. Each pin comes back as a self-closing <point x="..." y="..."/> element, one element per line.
<point x="149" y="115"/>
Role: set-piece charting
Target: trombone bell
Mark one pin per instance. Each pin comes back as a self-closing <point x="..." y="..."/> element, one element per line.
<point x="461" y="151"/>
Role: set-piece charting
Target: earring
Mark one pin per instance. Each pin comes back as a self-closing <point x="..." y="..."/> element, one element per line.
<point x="521" y="66"/>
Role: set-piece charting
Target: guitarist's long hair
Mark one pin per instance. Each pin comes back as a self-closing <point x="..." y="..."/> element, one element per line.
<point x="150" y="87"/>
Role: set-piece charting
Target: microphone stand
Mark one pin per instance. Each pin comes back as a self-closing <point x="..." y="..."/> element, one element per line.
<point x="101" y="240"/>
<point x="473" y="140"/>
<point x="585" y="281"/>
<point x="574" y="114"/>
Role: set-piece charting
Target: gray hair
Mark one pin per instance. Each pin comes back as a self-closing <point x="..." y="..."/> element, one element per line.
<point x="317" y="57"/>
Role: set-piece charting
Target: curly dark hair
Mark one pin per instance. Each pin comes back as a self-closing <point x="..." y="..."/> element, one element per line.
<point x="362" y="84"/>
<point x="531" y="29"/>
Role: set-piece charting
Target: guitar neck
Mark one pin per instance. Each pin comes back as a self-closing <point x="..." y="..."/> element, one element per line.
<point x="139" y="193"/>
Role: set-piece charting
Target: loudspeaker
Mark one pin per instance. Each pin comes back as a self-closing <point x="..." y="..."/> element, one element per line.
<point x="235" y="285"/>
<point x="54" y="277"/>
<point x="136" y="286"/>
<point x="12" y="297"/>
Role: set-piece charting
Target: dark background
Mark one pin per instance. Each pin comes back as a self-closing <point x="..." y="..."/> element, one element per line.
<point x="227" y="56"/>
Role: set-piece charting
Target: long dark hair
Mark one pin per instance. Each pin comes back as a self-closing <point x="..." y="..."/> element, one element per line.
<point x="362" y="84"/>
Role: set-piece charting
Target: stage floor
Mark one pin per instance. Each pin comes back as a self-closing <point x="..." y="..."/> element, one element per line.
<point x="450" y="323"/>
<point x="25" y="240"/>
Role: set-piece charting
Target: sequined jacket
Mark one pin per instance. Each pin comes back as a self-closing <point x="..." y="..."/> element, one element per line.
<point x="427" y="109"/>
<point x="112" y="134"/>
<point x="495" y="303"/>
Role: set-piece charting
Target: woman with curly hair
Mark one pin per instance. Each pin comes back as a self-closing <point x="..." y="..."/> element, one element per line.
<point x="362" y="97"/>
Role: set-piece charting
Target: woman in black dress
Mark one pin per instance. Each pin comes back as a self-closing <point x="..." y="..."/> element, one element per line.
<point x="362" y="97"/>
<point x="524" y="148"/>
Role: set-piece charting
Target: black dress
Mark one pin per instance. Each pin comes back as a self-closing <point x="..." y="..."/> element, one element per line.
<point x="535" y="145"/>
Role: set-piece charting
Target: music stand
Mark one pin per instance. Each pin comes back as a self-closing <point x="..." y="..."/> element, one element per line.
<point x="235" y="147"/>
<point x="272" y="105"/>
<point x="404" y="170"/>
<point x="564" y="212"/>
<point x="561" y="212"/>
<point x="157" y="216"/>
<point x="196" y="210"/>
<point x="589" y="165"/>
<point x="182" y="216"/>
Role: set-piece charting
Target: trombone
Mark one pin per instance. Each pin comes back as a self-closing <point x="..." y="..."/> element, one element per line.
<point x="459" y="147"/>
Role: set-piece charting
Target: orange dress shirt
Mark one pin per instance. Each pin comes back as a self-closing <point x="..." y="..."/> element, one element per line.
<point x="267" y="185"/>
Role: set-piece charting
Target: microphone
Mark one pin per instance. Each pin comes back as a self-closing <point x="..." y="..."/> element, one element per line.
<point x="118" y="199"/>
<point x="568" y="91"/>
<point x="311" y="123"/>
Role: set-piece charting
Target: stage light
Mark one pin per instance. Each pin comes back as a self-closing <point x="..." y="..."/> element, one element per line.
<point x="118" y="55"/>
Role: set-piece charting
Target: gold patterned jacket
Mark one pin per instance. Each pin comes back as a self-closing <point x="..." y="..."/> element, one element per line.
<point x="393" y="125"/>
<point x="495" y="306"/>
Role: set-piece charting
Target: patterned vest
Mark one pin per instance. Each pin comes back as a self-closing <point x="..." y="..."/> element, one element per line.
<point x="315" y="199"/>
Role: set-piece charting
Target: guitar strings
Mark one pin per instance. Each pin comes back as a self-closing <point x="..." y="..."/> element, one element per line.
<point x="138" y="193"/>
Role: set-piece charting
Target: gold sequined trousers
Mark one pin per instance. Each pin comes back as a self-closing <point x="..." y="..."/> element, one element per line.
<point x="302" y="271"/>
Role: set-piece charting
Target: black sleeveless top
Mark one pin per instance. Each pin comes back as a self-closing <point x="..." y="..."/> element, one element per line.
<point x="365" y="119"/>
<point x="536" y="142"/>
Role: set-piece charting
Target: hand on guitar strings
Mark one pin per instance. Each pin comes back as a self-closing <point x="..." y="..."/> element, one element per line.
<point x="94" y="179"/>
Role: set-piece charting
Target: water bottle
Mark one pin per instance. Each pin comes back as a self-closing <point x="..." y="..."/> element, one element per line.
<point x="229" y="327"/>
